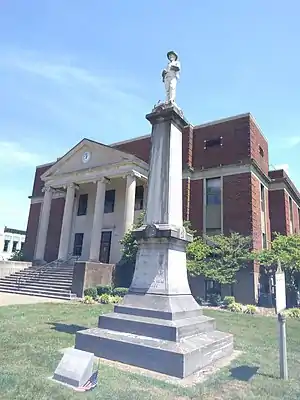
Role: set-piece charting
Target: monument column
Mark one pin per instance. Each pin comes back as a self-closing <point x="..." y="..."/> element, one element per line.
<point x="43" y="225"/>
<point x="129" y="202"/>
<point x="97" y="220"/>
<point x="159" y="326"/>
<point x="67" y="222"/>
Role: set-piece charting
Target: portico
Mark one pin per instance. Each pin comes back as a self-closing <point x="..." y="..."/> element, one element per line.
<point x="104" y="191"/>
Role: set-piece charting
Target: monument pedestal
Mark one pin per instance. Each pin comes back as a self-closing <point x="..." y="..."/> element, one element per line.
<point x="159" y="326"/>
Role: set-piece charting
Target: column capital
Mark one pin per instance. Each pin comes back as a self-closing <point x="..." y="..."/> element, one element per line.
<point x="102" y="179"/>
<point x="48" y="188"/>
<point x="71" y="185"/>
<point x="131" y="174"/>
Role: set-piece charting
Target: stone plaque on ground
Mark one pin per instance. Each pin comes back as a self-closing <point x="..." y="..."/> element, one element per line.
<point x="280" y="290"/>
<point x="75" y="368"/>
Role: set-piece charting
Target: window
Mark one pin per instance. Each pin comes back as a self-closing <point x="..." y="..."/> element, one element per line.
<point x="22" y="245"/>
<point x="213" y="207"/>
<point x="213" y="142"/>
<point x="213" y="191"/>
<point x="262" y="198"/>
<point x="261" y="151"/>
<point x="78" y="241"/>
<point x="6" y="244"/>
<point x="213" y="231"/>
<point x="105" y="247"/>
<point x="264" y="240"/>
<point x="212" y="287"/>
<point x="139" y="198"/>
<point x="82" y="204"/>
<point x="109" y="205"/>
<point x="14" y="247"/>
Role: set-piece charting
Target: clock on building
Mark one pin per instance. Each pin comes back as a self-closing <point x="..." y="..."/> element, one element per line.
<point x="86" y="156"/>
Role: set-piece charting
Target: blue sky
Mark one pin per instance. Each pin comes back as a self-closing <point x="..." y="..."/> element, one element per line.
<point x="71" y="69"/>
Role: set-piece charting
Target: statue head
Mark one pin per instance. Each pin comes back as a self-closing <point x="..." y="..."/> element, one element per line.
<point x="172" y="56"/>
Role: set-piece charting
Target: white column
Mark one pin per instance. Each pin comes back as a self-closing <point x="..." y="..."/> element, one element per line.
<point x="43" y="224"/>
<point x="97" y="220"/>
<point x="145" y="195"/>
<point x="129" y="202"/>
<point x="67" y="222"/>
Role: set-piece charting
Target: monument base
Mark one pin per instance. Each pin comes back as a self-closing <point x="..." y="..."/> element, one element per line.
<point x="174" y="342"/>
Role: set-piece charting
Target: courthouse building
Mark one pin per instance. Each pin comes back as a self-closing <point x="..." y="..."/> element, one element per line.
<point x="83" y="203"/>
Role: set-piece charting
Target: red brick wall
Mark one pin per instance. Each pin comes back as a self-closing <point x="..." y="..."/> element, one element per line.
<point x="32" y="227"/>
<point x="295" y="217"/>
<point x="256" y="141"/>
<point x="278" y="216"/>
<point x="186" y="194"/>
<point x="38" y="184"/>
<point x="141" y="148"/>
<point x="187" y="146"/>
<point x="268" y="221"/>
<point x="235" y="148"/>
<point x="196" y="205"/>
<point x="237" y="204"/>
<point x="256" y="213"/>
<point x="54" y="228"/>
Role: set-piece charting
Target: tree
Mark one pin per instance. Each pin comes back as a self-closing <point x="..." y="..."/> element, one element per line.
<point x="17" y="256"/>
<point x="219" y="257"/>
<point x="283" y="248"/>
<point x="286" y="249"/>
<point x="129" y="244"/>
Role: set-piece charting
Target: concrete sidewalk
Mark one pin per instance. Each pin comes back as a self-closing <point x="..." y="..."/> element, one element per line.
<point x="7" y="299"/>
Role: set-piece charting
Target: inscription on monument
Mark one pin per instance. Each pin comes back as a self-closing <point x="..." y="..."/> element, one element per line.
<point x="146" y="277"/>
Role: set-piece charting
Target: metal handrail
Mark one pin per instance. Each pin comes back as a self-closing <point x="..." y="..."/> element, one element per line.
<point x="39" y="270"/>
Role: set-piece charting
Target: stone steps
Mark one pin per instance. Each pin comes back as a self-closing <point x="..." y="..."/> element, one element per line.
<point x="63" y="296"/>
<point x="156" y="328"/>
<point x="33" y="285"/>
<point x="53" y="282"/>
<point x="179" y="359"/>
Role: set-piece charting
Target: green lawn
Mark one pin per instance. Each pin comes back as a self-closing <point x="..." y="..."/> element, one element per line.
<point x="31" y="335"/>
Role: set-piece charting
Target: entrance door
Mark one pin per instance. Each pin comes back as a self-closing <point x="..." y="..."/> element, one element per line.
<point x="105" y="247"/>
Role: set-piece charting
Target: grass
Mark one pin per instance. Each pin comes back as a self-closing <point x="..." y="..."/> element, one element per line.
<point x="32" y="335"/>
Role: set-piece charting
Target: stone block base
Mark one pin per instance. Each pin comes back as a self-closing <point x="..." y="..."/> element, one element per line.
<point x="176" y="344"/>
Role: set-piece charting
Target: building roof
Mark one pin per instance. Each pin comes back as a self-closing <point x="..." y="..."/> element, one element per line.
<point x="14" y="231"/>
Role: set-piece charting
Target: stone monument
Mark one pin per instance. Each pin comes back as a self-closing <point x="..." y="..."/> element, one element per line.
<point x="159" y="326"/>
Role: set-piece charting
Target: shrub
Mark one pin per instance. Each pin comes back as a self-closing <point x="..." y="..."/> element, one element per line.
<point x="250" y="309"/>
<point x="116" y="299"/>
<point x="120" y="291"/>
<point x="235" y="307"/>
<point x="214" y="299"/>
<point x="91" y="292"/>
<point x="293" y="313"/>
<point x="228" y="300"/>
<point x="105" y="298"/>
<point x="88" y="300"/>
<point x="200" y="300"/>
<point x="104" y="289"/>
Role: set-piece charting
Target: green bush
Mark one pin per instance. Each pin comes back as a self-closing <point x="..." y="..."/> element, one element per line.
<point x="214" y="299"/>
<point x="116" y="299"/>
<point x="105" y="298"/>
<point x="104" y="289"/>
<point x="200" y="300"/>
<point x="92" y="292"/>
<point x="120" y="291"/>
<point x="228" y="300"/>
<point x="88" y="300"/>
<point x="293" y="313"/>
<point x="250" y="309"/>
<point x="235" y="307"/>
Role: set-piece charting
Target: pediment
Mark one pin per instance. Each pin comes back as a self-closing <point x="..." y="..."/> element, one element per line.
<point x="88" y="154"/>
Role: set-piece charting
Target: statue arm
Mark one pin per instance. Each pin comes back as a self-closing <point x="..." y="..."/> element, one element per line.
<point x="163" y="74"/>
<point x="175" y="66"/>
